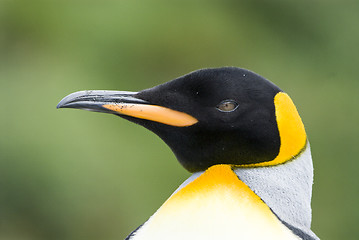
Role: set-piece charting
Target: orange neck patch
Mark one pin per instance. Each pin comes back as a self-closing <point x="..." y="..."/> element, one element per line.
<point x="292" y="134"/>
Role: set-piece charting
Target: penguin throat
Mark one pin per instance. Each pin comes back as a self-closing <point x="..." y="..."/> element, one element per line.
<point x="215" y="205"/>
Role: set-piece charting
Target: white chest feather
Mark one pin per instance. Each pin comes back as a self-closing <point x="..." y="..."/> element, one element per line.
<point x="216" y="205"/>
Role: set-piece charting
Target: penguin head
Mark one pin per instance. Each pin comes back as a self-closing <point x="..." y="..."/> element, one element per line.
<point x="211" y="116"/>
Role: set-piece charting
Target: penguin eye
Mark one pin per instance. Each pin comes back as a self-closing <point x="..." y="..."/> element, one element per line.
<point x="227" y="106"/>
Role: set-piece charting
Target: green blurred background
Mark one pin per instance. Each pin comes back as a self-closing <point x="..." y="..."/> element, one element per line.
<point x="67" y="174"/>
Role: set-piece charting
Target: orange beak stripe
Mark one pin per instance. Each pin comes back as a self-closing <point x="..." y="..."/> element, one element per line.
<point x="153" y="113"/>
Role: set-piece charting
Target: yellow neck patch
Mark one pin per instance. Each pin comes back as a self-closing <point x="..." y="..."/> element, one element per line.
<point x="292" y="134"/>
<point x="215" y="205"/>
<point x="217" y="176"/>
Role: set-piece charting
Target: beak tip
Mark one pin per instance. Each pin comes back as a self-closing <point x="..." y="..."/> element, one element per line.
<point x="69" y="98"/>
<point x="58" y="105"/>
<point x="61" y="104"/>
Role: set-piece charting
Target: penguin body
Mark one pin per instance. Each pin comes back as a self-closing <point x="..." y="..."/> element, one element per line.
<point x="245" y="143"/>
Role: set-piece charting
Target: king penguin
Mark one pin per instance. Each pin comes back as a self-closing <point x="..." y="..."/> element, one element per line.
<point x="244" y="141"/>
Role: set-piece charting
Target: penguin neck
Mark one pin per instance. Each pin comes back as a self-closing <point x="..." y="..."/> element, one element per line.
<point x="285" y="188"/>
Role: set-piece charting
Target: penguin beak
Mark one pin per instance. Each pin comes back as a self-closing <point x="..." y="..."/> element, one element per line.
<point x="125" y="103"/>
